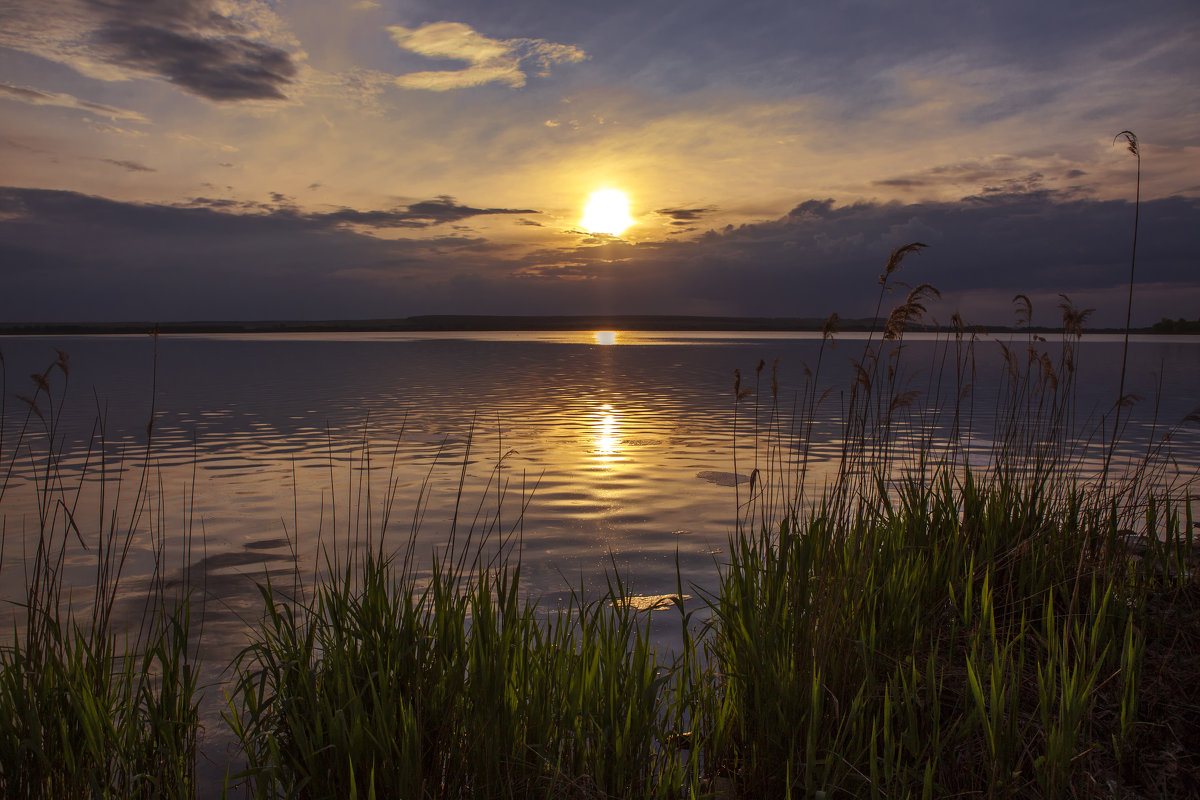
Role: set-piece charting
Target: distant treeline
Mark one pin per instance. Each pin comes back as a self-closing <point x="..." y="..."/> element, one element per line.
<point x="448" y="322"/>
<point x="1180" y="325"/>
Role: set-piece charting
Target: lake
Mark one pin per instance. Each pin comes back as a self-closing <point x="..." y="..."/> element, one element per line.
<point x="627" y="437"/>
<point x="588" y="450"/>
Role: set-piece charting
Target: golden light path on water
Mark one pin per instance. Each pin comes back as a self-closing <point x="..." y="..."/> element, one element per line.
<point x="607" y="442"/>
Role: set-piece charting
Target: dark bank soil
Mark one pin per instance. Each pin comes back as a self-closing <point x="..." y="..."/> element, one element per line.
<point x="1164" y="761"/>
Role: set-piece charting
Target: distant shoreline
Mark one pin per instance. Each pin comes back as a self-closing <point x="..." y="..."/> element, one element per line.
<point x="482" y="323"/>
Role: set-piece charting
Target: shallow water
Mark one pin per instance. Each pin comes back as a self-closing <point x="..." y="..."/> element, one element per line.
<point x="586" y="450"/>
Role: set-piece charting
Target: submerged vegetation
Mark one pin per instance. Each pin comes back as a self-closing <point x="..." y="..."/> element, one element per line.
<point x="940" y="619"/>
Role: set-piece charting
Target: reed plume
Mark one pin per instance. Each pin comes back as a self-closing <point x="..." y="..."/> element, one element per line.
<point x="1131" y="141"/>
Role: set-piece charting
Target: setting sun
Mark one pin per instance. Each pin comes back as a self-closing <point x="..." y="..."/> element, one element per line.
<point x="607" y="211"/>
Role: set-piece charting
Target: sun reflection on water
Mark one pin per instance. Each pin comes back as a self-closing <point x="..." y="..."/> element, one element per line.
<point x="605" y="429"/>
<point x="605" y="337"/>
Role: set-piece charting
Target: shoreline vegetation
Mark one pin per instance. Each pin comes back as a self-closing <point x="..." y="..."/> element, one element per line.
<point x="484" y="323"/>
<point x="934" y="621"/>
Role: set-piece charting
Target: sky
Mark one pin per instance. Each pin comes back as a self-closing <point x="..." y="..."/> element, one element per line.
<point x="172" y="160"/>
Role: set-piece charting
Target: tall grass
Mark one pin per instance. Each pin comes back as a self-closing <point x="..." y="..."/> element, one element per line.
<point x="455" y="688"/>
<point x="401" y="676"/>
<point x="929" y="627"/>
<point x="89" y="705"/>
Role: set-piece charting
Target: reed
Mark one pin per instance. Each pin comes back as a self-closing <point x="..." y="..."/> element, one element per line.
<point x="89" y="706"/>
<point x="390" y="678"/>
<point x="926" y="626"/>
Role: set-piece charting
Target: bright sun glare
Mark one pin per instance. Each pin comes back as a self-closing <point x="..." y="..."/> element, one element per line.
<point x="607" y="211"/>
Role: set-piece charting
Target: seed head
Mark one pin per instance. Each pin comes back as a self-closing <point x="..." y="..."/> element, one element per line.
<point x="1131" y="139"/>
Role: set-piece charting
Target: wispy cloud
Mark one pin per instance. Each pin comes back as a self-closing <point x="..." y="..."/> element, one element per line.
<point x="37" y="97"/>
<point x="131" y="166"/>
<point x="505" y="61"/>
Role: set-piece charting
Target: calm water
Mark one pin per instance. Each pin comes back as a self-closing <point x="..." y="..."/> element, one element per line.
<point x="627" y="437"/>
<point x="620" y="447"/>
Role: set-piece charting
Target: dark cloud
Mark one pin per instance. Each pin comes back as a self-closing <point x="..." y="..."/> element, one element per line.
<point x="971" y="173"/>
<point x="220" y="51"/>
<point x="684" y="216"/>
<point x="984" y="249"/>
<point x="903" y="183"/>
<point x="810" y="208"/>
<point x="224" y="203"/>
<point x="211" y="259"/>
<point x="425" y="214"/>
<point x="571" y="272"/>
<point x="218" y="66"/>
<point x="132" y="166"/>
<point x="226" y="259"/>
<point x="418" y="215"/>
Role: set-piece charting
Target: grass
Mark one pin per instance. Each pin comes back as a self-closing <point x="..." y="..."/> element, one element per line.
<point x="454" y="689"/>
<point x="87" y="707"/>
<point x="917" y="626"/>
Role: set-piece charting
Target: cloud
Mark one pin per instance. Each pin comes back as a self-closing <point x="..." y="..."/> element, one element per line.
<point x="132" y="166"/>
<point x="424" y="214"/>
<point x="39" y="98"/>
<point x="146" y="261"/>
<point x="103" y="127"/>
<point x="228" y="259"/>
<point x="684" y="216"/>
<point x="225" y="51"/>
<point x="418" y="215"/>
<point x="820" y="257"/>
<point x="558" y="272"/>
<point x="503" y="61"/>
<point x="217" y="67"/>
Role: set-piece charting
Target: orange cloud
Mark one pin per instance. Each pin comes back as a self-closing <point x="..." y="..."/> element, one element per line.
<point x="490" y="60"/>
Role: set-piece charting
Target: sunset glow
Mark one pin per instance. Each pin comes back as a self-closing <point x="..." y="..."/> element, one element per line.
<point x="302" y="160"/>
<point x="607" y="211"/>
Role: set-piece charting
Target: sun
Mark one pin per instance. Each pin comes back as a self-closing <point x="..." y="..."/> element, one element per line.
<point x="607" y="211"/>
